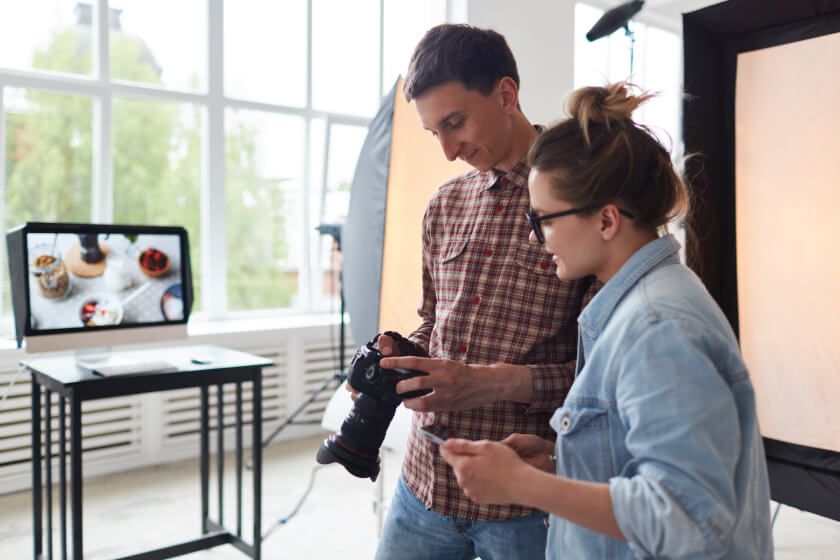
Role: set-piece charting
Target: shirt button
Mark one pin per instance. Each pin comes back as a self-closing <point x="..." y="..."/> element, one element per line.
<point x="476" y="300"/>
<point x="505" y="180"/>
<point x="565" y="423"/>
<point x="488" y="253"/>
<point x="463" y="349"/>
<point x="499" y="208"/>
<point x="543" y="265"/>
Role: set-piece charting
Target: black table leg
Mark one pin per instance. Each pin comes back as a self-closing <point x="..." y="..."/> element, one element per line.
<point x="37" y="528"/>
<point x="76" y="474"/>
<point x="220" y="450"/>
<point x="62" y="466"/>
<point x="48" y="457"/>
<point x="205" y="459"/>
<point x="256" y="448"/>
<point x="239" y="459"/>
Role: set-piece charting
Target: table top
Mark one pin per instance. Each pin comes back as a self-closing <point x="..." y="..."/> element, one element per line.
<point x="195" y="365"/>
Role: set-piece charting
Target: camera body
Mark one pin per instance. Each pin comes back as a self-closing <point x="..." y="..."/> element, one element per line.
<point x="366" y="376"/>
<point x="356" y="444"/>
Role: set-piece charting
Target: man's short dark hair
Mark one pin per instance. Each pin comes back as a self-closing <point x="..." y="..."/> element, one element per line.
<point x="476" y="58"/>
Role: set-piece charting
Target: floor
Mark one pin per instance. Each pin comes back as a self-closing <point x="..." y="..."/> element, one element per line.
<point x="153" y="507"/>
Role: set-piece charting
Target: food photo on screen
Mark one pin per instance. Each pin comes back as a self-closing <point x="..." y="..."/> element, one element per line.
<point x="103" y="279"/>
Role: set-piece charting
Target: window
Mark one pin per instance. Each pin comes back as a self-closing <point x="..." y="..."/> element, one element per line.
<point x="44" y="34"/>
<point x="657" y="67"/>
<point x="240" y="120"/>
<point x="159" y="42"/>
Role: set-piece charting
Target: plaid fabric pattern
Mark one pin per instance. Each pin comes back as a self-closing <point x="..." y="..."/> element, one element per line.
<point x="490" y="296"/>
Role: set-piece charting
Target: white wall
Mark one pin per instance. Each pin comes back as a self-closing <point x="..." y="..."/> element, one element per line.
<point x="541" y="35"/>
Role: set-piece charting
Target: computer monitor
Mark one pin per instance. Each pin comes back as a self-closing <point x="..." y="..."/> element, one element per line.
<point x="78" y="286"/>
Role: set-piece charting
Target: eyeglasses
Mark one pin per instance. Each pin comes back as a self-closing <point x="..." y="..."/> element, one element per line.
<point x="536" y="221"/>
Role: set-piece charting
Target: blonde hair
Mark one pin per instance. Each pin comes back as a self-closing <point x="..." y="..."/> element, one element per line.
<point x="600" y="155"/>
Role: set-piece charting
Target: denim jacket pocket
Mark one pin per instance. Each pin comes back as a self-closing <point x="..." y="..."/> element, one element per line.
<point x="583" y="441"/>
<point x="534" y="258"/>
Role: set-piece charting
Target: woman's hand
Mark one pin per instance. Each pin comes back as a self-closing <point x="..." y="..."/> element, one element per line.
<point x="534" y="450"/>
<point x="489" y="472"/>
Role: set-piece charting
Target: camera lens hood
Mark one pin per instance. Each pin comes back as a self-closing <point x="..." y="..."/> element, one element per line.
<point x="357" y="463"/>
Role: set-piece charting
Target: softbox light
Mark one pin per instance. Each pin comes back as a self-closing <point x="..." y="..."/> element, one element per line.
<point x="761" y="112"/>
<point x="400" y="166"/>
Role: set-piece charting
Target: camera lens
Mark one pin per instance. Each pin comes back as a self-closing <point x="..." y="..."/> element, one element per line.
<point x="356" y="444"/>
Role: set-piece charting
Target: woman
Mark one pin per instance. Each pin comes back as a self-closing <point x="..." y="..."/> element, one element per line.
<point x="658" y="451"/>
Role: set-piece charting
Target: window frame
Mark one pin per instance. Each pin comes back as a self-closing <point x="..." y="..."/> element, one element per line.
<point x="102" y="90"/>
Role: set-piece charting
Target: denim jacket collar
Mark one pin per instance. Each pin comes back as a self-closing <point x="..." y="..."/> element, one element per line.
<point x="661" y="251"/>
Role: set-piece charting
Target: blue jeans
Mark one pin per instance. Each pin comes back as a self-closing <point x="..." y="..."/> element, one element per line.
<point x="412" y="532"/>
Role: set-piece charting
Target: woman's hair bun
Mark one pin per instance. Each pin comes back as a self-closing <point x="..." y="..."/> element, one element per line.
<point x="609" y="106"/>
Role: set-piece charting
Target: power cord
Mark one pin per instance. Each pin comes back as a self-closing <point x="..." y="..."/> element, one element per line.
<point x="11" y="384"/>
<point x="296" y="509"/>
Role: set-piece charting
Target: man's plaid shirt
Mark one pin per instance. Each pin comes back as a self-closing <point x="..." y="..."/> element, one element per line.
<point x="490" y="296"/>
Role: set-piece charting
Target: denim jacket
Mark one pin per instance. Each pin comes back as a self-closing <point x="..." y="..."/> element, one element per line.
<point x="663" y="410"/>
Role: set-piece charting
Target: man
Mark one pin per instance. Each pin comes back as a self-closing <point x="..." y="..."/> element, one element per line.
<point x="499" y="327"/>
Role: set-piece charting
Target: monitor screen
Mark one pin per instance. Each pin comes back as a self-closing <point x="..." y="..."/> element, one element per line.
<point x="86" y="278"/>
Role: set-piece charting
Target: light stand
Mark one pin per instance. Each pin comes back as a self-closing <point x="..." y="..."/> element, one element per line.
<point x="339" y="376"/>
<point x="613" y="20"/>
<point x="334" y="230"/>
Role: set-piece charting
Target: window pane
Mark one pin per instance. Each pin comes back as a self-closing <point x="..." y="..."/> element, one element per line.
<point x="602" y="61"/>
<point x="46" y="35"/>
<point x="264" y="210"/>
<point x="662" y="74"/>
<point x="657" y="60"/>
<point x="157" y="151"/>
<point x="405" y="24"/>
<point x="345" y="56"/>
<point x="320" y="246"/>
<point x="332" y="205"/>
<point x="48" y="161"/>
<point x="265" y="51"/>
<point x="48" y="157"/>
<point x="160" y="42"/>
<point x="345" y="145"/>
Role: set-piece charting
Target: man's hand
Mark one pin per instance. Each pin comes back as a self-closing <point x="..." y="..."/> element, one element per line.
<point x="386" y="345"/>
<point x="489" y="472"/>
<point x="534" y="450"/>
<point x="457" y="386"/>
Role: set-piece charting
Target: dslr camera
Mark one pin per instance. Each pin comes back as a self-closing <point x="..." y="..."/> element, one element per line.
<point x="356" y="444"/>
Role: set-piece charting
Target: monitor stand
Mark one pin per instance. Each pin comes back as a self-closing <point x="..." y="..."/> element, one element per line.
<point x="91" y="358"/>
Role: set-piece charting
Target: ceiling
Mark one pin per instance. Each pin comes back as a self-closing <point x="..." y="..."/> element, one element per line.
<point x="673" y="9"/>
<point x="666" y="13"/>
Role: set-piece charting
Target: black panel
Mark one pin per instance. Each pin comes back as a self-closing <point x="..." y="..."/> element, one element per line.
<point x="708" y="137"/>
<point x="804" y="477"/>
<point x="16" y="255"/>
<point x="740" y="17"/>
